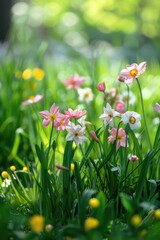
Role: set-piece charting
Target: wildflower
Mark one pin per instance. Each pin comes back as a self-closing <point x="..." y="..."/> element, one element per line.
<point x="94" y="203"/>
<point x="136" y="220"/>
<point x="38" y="73"/>
<point x="82" y="121"/>
<point x="157" y="107"/>
<point x="62" y="167"/>
<point x="33" y="99"/>
<point x="74" y="81"/>
<point x="61" y="122"/>
<point x="157" y="214"/>
<point x="133" y="158"/>
<point x="91" y="223"/>
<point x="120" y="106"/>
<point x="109" y="115"/>
<point x="128" y="98"/>
<point x="75" y="133"/>
<point x="74" y="113"/>
<point x="119" y="136"/>
<point x="101" y="87"/>
<point x="72" y="166"/>
<point x="37" y="223"/>
<point x="93" y="135"/>
<point x="132" y="72"/>
<point x="133" y="119"/>
<point x="12" y="168"/>
<point x="85" y="94"/>
<point x="112" y="92"/>
<point x="6" y="183"/>
<point x="48" y="227"/>
<point x="5" y="174"/>
<point x="50" y="116"/>
<point x="27" y="74"/>
<point x="25" y="169"/>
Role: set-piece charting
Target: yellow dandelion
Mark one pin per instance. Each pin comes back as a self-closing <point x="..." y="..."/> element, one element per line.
<point x="136" y="220"/>
<point x="12" y="168"/>
<point x="37" y="223"/>
<point x="25" y="169"/>
<point x="72" y="166"/>
<point x="94" y="203"/>
<point x="157" y="214"/>
<point x="27" y="74"/>
<point x="91" y="223"/>
<point x="38" y="73"/>
<point x="5" y="174"/>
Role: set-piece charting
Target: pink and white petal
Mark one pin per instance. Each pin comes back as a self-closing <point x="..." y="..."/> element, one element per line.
<point x="142" y="67"/>
<point x="45" y="114"/>
<point x="46" y="122"/>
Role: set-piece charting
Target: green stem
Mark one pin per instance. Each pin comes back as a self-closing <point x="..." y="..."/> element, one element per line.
<point x="50" y="139"/>
<point x="127" y="96"/>
<point x="144" y="117"/>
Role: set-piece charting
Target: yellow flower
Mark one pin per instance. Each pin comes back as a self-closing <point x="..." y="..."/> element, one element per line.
<point x="27" y="74"/>
<point x="12" y="168"/>
<point x="94" y="203"/>
<point x="136" y="220"/>
<point x="72" y="166"/>
<point x="37" y="223"/>
<point x="25" y="169"/>
<point x="5" y="174"/>
<point x="91" y="223"/>
<point x="157" y="214"/>
<point x="38" y="73"/>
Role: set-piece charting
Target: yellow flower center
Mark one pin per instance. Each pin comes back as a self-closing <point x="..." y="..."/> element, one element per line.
<point x="76" y="134"/>
<point x="61" y="123"/>
<point x="86" y="95"/>
<point x="52" y="117"/>
<point x="133" y="72"/>
<point x="119" y="137"/>
<point x="31" y="98"/>
<point x="132" y="120"/>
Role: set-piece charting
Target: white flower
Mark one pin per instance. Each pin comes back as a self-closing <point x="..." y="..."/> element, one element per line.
<point x="109" y="115"/>
<point x="128" y="99"/>
<point x="75" y="133"/>
<point x="6" y="183"/>
<point x="85" y="94"/>
<point x="133" y="119"/>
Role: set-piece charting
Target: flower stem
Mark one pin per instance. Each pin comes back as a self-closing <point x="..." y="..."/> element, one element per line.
<point x="144" y="117"/>
<point x="50" y="139"/>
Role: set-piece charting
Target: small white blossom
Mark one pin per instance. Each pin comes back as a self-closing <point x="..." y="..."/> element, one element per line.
<point x="133" y="119"/>
<point x="6" y="183"/>
<point x="85" y="94"/>
<point x="75" y="133"/>
<point x="109" y="115"/>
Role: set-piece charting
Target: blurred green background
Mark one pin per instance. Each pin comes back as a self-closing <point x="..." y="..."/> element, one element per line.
<point x="126" y="29"/>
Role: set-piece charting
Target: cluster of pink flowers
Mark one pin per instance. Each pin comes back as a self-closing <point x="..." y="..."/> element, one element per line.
<point x="62" y="121"/>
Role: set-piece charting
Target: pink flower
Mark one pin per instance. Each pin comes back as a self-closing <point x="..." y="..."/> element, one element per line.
<point x="157" y="107"/>
<point x="120" y="137"/>
<point x="74" y="113"/>
<point x="112" y="92"/>
<point x="132" y="72"/>
<point x="61" y="122"/>
<point x="120" y="106"/>
<point x="133" y="158"/>
<point x="101" y="87"/>
<point x="74" y="81"/>
<point x="50" y="116"/>
<point x="32" y="100"/>
<point x="93" y="135"/>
